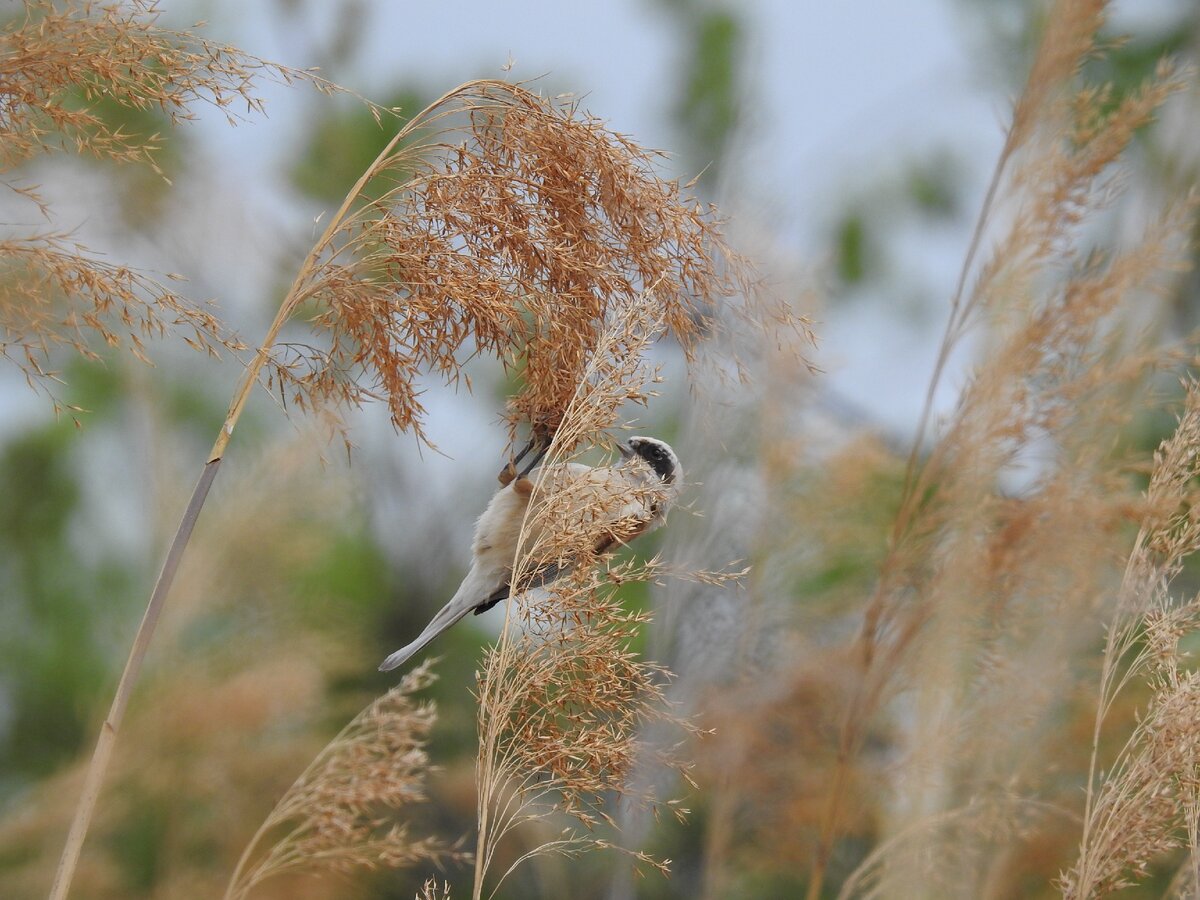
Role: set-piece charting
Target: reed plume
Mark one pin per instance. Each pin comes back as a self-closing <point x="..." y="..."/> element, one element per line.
<point x="336" y="815"/>
<point x="60" y="64"/>
<point x="510" y="226"/>
<point x="564" y="703"/>
<point x="1144" y="804"/>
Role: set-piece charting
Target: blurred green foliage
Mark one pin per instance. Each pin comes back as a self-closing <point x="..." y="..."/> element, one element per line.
<point x="923" y="192"/>
<point x="710" y="83"/>
<point x="708" y="108"/>
<point x="851" y="237"/>
<point x="54" y="662"/>
<point x="342" y="140"/>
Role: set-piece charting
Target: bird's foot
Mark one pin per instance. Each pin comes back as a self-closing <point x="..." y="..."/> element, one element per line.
<point x="507" y="474"/>
<point x="538" y="445"/>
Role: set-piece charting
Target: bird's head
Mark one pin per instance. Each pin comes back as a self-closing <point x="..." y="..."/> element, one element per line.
<point x="657" y="454"/>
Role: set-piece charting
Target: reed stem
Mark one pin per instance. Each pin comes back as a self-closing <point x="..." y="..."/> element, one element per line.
<point x="94" y="778"/>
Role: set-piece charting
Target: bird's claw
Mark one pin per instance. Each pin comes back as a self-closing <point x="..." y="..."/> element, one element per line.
<point x="507" y="474"/>
<point x="539" y="445"/>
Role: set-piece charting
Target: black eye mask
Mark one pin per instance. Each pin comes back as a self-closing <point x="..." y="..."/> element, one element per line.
<point x="659" y="461"/>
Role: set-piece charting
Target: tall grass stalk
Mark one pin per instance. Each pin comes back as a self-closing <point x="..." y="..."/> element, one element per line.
<point x="511" y="792"/>
<point x="109" y="730"/>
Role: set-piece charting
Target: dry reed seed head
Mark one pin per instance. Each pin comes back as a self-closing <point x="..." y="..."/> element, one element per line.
<point x="1171" y="528"/>
<point x="1063" y="372"/>
<point x="521" y="229"/>
<point x="1067" y="42"/>
<point x="578" y="671"/>
<point x="562" y="706"/>
<point x="1064" y="170"/>
<point x="58" y="63"/>
<point x="337" y="813"/>
<point x="1138" y="815"/>
<point x="1060" y="375"/>
<point x="579" y="518"/>
<point x="1143" y="802"/>
<point x="59" y="60"/>
<point x="992" y="628"/>
<point x="54" y="292"/>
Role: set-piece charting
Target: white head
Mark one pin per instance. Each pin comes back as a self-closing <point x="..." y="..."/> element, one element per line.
<point x="658" y="456"/>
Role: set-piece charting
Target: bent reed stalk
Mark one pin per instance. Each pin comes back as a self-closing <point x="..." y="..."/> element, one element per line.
<point x="107" y="739"/>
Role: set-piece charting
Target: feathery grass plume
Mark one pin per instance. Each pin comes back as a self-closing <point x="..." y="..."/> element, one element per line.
<point x="335" y="815"/>
<point x="562" y="702"/>
<point x="1144" y="804"/>
<point x="1002" y="581"/>
<point x="1061" y="375"/>
<point x="61" y="59"/>
<point x="55" y="293"/>
<point x="509" y="226"/>
<point x="1068" y="41"/>
<point x="988" y="589"/>
<point x="58" y="63"/>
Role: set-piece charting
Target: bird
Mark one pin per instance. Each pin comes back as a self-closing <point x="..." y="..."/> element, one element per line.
<point x="614" y="503"/>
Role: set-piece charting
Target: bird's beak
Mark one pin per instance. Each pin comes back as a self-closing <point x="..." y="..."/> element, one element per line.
<point x="625" y="450"/>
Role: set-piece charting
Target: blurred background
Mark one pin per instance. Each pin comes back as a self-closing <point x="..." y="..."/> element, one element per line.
<point x="849" y="143"/>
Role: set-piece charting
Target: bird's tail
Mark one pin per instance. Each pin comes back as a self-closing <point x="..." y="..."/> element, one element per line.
<point x="464" y="600"/>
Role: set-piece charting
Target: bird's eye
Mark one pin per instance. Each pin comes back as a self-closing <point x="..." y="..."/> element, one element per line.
<point x="657" y="453"/>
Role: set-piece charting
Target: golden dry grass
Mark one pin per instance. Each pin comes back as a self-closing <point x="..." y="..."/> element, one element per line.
<point x="563" y="701"/>
<point x="60" y="64"/>
<point x="1061" y="375"/>
<point x="502" y="224"/>
<point x="339" y="815"/>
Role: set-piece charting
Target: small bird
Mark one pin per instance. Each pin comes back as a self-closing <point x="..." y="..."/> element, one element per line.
<point x="616" y="502"/>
